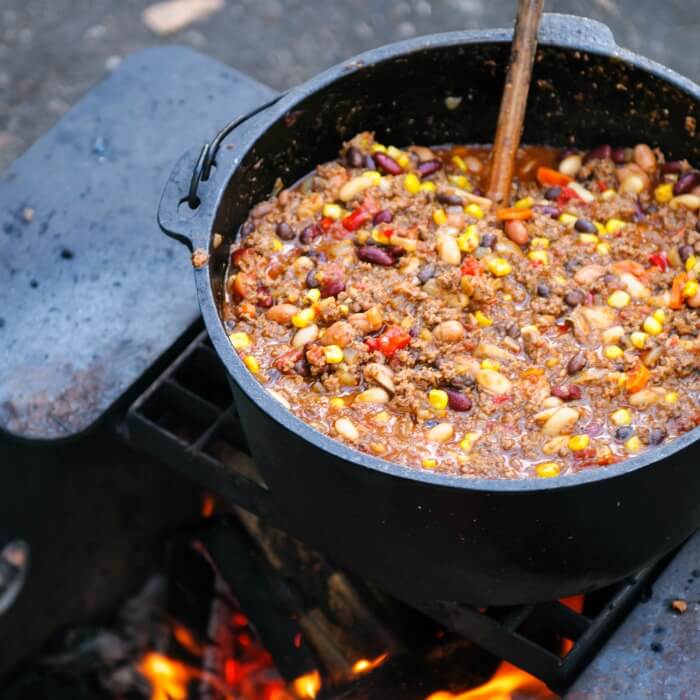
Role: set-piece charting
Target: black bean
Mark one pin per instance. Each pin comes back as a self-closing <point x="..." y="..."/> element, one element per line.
<point x="429" y="167"/>
<point x="301" y="367"/>
<point x="354" y="157"/>
<point x="451" y="199"/>
<point x="585" y="226"/>
<point x="458" y="401"/>
<point x="672" y="167"/>
<point x="369" y="163"/>
<point x="618" y="155"/>
<point x="624" y="433"/>
<point x="572" y="265"/>
<point x="685" y="251"/>
<point x="697" y="225"/>
<point x="247" y="228"/>
<point x="686" y="183"/>
<point x="487" y="240"/>
<point x="373" y="254"/>
<point x="576" y="363"/>
<point x="309" y="233"/>
<point x="285" y="232"/>
<point x="426" y="272"/>
<point x="387" y="164"/>
<point x="513" y="331"/>
<point x="575" y="297"/>
<point x="657" y="436"/>
<point x="543" y="290"/>
<point x="552" y="193"/>
<point x="311" y="280"/>
<point x="549" y="210"/>
<point x="604" y="151"/>
<point x="384" y="216"/>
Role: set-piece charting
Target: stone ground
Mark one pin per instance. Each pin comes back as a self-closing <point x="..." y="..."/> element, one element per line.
<point x="53" y="51"/>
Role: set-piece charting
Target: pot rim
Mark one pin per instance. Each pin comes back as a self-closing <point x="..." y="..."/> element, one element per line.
<point x="273" y="408"/>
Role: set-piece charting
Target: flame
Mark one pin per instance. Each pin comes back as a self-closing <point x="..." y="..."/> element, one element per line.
<point x="575" y="602"/>
<point x="208" y="505"/>
<point x="507" y="680"/>
<point x="186" y="640"/>
<point x="366" y="665"/>
<point x="169" y="679"/>
<point x="308" y="685"/>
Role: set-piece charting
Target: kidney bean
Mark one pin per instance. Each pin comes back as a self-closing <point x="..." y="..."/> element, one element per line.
<point x="517" y="232"/>
<point x="623" y="433"/>
<point x="285" y="232"/>
<point x="567" y="392"/>
<point x="672" y="167"/>
<point x="332" y="287"/>
<point x="309" y="234"/>
<point x="552" y="193"/>
<point x="513" y="331"/>
<point x="426" y="272"/>
<point x="686" y="183"/>
<point x="428" y="167"/>
<point x="369" y="163"/>
<point x="618" y="155"/>
<point x="450" y="199"/>
<point x="458" y="401"/>
<point x="685" y="251"/>
<point x="585" y="226"/>
<point x="576" y="363"/>
<point x="383" y="217"/>
<point x="575" y="297"/>
<point x="543" y="290"/>
<point x="487" y="240"/>
<point x="373" y="254"/>
<point x="387" y="164"/>
<point x="396" y="251"/>
<point x="604" y="151"/>
<point x="264" y="297"/>
<point x="354" y="157"/>
<point x="657" y="436"/>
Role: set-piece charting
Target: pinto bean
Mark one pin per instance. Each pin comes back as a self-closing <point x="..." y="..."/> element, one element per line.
<point x="305" y="335"/>
<point x="517" y="232"/>
<point x="644" y="157"/>
<point x="282" y="313"/>
<point x="449" y="331"/>
<point x="340" y="333"/>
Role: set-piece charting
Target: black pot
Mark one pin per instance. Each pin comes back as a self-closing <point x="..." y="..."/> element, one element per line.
<point x="419" y="534"/>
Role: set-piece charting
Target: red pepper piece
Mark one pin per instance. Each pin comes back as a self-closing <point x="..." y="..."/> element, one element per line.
<point x="567" y="194"/>
<point x="355" y="219"/>
<point x="471" y="266"/>
<point x="392" y="339"/>
<point x="548" y="177"/>
<point x="660" y="260"/>
<point x="325" y="223"/>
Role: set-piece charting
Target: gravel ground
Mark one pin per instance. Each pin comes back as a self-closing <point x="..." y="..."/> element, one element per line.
<point x="53" y="51"/>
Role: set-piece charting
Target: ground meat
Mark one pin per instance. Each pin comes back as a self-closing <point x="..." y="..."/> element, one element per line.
<point x="401" y="302"/>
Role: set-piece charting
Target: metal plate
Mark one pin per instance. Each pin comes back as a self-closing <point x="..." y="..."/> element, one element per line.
<point x="91" y="292"/>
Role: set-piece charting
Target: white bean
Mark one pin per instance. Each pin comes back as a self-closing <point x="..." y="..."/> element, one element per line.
<point x="570" y="165"/>
<point x="448" y="250"/>
<point x="561" y="422"/>
<point x="493" y="382"/>
<point x="442" y="432"/>
<point x="354" y="186"/>
<point x="689" y="201"/>
<point x="305" y="335"/>
<point x="346" y="428"/>
<point x="374" y="394"/>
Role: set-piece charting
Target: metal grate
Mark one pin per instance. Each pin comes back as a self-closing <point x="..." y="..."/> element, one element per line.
<point x="186" y="418"/>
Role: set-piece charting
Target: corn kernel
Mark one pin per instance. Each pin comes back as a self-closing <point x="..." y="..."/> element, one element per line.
<point x="438" y="399"/>
<point x="337" y="402"/>
<point x="639" y="339"/>
<point x="334" y="354"/>
<point x="578" y="442"/>
<point x="551" y="362"/>
<point x="378" y="236"/>
<point x="362" y="236"/>
<point x="411" y="183"/>
<point x="587" y="238"/>
<point x="378" y="148"/>
<point x="507" y="297"/>
<point x="567" y="219"/>
<point x="499" y="267"/>
<point x="546" y="470"/>
<point x="394" y="152"/>
<point x="691" y="288"/>
<point x="467" y="442"/>
<point x="373" y="175"/>
<point x="621" y="417"/>
<point x="482" y="319"/>
<point x="600" y="228"/>
<point x="404" y="161"/>
<point x="459" y="162"/>
<point x="659" y="315"/>
<point x="240" y="341"/>
<point x="614" y="225"/>
<point x="252" y="364"/>
<point x="303" y="318"/>
<point x="490" y="364"/>
<point x="332" y="211"/>
<point x="671" y="397"/>
<point x="608" y="194"/>
<point x="277" y="245"/>
<point x="539" y="256"/>
<point x="468" y="241"/>
<point x="664" y="193"/>
<point x="619" y="299"/>
<point x="439" y="217"/>
<point x="381" y="418"/>
<point x="652" y="326"/>
<point x="539" y="242"/>
<point x="613" y="352"/>
<point x="428" y="187"/>
<point x="429" y="463"/>
<point x="461" y="181"/>
<point x="603" y="249"/>
<point x="344" y="309"/>
<point x="690" y="263"/>
<point x="524" y="203"/>
<point x="633" y="444"/>
<point x="313" y="295"/>
<point x="474" y="210"/>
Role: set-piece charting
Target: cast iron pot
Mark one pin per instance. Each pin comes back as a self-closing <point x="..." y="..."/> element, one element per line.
<point x="419" y="534"/>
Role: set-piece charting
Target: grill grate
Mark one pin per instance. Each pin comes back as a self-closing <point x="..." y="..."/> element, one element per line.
<point x="187" y="419"/>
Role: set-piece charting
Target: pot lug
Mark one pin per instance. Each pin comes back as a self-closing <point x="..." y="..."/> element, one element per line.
<point x="568" y="30"/>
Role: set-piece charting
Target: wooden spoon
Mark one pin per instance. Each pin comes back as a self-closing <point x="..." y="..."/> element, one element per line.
<point x="514" y="100"/>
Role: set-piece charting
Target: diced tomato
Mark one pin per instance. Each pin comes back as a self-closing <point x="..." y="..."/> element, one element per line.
<point x="471" y="266"/>
<point x="660" y="260"/>
<point x="552" y="178"/>
<point x="567" y="194"/>
<point x="355" y="219"/>
<point x="392" y="339"/>
<point x="325" y="223"/>
<point x="637" y="378"/>
<point x="388" y="232"/>
<point x="676" y="301"/>
<point x="602" y="185"/>
<point x="513" y="213"/>
<point x="501" y="399"/>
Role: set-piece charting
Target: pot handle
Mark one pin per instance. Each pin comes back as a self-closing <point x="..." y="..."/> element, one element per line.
<point x="184" y="208"/>
<point x="565" y="30"/>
